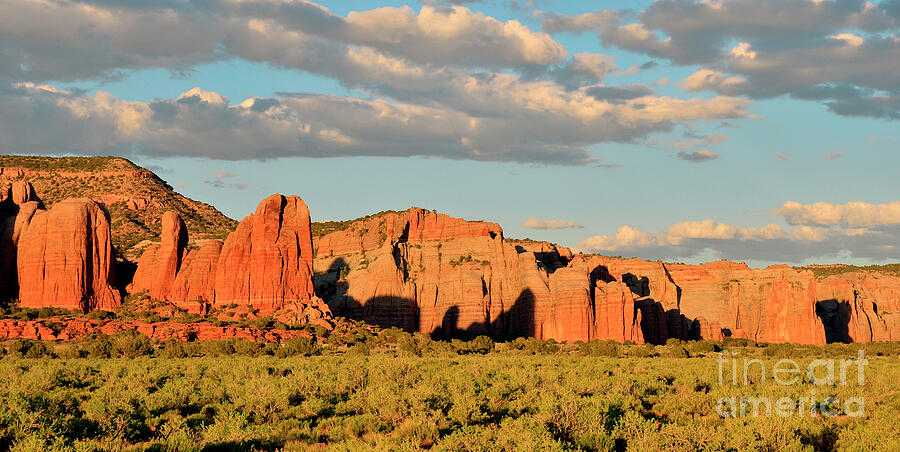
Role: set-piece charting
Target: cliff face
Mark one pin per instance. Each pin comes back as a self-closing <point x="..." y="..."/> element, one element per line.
<point x="860" y="307"/>
<point x="428" y="272"/>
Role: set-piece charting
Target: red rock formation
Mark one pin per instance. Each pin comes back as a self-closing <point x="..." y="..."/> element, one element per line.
<point x="160" y="262"/>
<point x="776" y="304"/>
<point x="413" y="225"/>
<point x="572" y="316"/>
<point x="266" y="262"/>
<point x="860" y="307"/>
<point x="195" y="283"/>
<point x="16" y="210"/>
<point x="704" y="329"/>
<point x="616" y="317"/>
<point x="457" y="278"/>
<point x="65" y="258"/>
<point x="21" y="192"/>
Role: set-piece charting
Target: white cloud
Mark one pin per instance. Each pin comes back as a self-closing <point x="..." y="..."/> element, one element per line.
<point x="456" y="35"/>
<point x="71" y="40"/>
<point x="422" y="71"/>
<point x="537" y="223"/>
<point x="498" y="117"/>
<point x="844" y="54"/>
<point x="851" y="214"/>
<point x="858" y="231"/>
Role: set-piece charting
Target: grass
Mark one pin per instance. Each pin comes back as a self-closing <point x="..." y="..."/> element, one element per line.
<point x="398" y="391"/>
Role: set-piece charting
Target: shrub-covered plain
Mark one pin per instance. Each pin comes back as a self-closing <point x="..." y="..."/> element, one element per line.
<point x="400" y="391"/>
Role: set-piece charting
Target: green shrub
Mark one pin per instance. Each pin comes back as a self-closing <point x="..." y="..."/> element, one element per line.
<point x="130" y="344"/>
<point x="98" y="346"/>
<point x="481" y="345"/>
<point x="535" y="346"/>
<point x="734" y="342"/>
<point x="598" y="347"/>
<point x="101" y="315"/>
<point x="298" y="346"/>
<point x="673" y="351"/>
<point x="703" y="346"/>
<point x="642" y="351"/>
<point x="27" y="348"/>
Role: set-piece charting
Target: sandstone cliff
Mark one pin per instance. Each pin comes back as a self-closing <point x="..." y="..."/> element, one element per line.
<point x="429" y="272"/>
<point x="860" y="307"/>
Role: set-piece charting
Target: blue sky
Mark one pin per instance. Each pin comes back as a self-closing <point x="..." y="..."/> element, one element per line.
<point x="491" y="112"/>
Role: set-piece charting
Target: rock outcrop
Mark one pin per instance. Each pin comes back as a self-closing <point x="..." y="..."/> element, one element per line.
<point x="267" y="261"/>
<point x="410" y="269"/>
<point x="65" y="258"/>
<point x="860" y="307"/>
<point x="195" y="283"/>
<point x="265" y="266"/>
<point x="424" y="271"/>
<point x="17" y="208"/>
<point x="160" y="262"/>
<point x="776" y="304"/>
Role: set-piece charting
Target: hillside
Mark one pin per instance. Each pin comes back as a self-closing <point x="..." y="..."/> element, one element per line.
<point x="135" y="197"/>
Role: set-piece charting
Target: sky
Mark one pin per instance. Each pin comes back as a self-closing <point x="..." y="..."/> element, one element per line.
<point x="761" y="131"/>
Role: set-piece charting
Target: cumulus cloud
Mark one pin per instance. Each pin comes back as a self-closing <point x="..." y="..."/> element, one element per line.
<point x="698" y="156"/>
<point x="445" y="81"/>
<point x="851" y="214"/>
<point x="856" y="230"/>
<point x="709" y="240"/>
<point x="493" y="118"/>
<point x="71" y="40"/>
<point x="537" y="223"/>
<point x="782" y="157"/>
<point x="833" y="155"/>
<point x="843" y="54"/>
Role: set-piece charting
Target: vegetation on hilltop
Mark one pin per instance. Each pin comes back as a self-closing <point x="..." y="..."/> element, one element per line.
<point x="322" y="228"/>
<point x="66" y="163"/>
<point x="823" y="271"/>
<point x="135" y="197"/>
